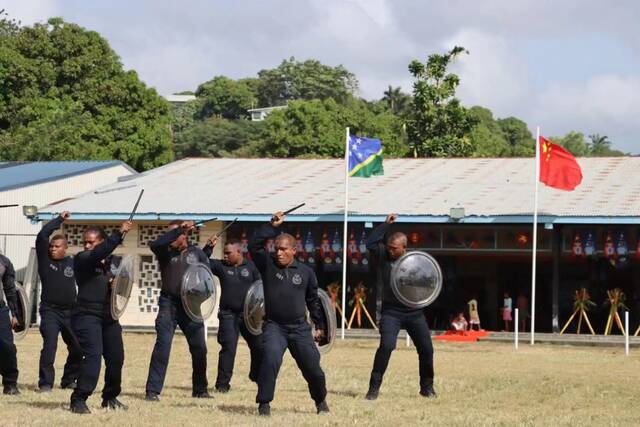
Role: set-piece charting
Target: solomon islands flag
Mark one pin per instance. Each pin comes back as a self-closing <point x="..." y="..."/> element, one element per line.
<point x="365" y="156"/>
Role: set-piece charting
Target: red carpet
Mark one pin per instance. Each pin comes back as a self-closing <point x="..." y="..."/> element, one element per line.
<point x="467" y="336"/>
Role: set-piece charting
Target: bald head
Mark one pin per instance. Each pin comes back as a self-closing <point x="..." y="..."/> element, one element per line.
<point x="396" y="245"/>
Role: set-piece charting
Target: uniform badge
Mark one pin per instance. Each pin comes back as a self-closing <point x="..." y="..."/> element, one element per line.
<point x="296" y="279"/>
<point x="68" y="272"/>
<point x="244" y="272"/>
<point x="112" y="267"/>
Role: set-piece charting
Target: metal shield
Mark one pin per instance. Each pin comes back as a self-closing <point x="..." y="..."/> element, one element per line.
<point x="328" y="312"/>
<point x="416" y="279"/>
<point x="198" y="292"/>
<point x="23" y="314"/>
<point x="123" y="281"/>
<point x="254" y="308"/>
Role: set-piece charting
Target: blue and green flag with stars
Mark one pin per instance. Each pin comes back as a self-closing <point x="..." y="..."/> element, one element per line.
<point x="365" y="156"/>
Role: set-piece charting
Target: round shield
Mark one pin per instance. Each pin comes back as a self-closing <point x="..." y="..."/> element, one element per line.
<point x="254" y="308"/>
<point x="122" y="284"/>
<point x="23" y="314"/>
<point x="198" y="292"/>
<point x="328" y="313"/>
<point x="416" y="279"/>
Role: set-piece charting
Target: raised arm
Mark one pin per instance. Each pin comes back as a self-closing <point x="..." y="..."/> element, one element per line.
<point x="260" y="236"/>
<point x="101" y="251"/>
<point x="42" y="240"/>
<point x="160" y="245"/>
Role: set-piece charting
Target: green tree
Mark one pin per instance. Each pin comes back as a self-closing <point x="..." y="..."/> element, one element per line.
<point x="397" y="101"/>
<point x="64" y="95"/>
<point x="316" y="128"/>
<point x="217" y="137"/>
<point x="487" y="136"/>
<point x="573" y="142"/>
<point x="518" y="136"/>
<point x="438" y="125"/>
<point x="226" y="98"/>
<point x="600" y="146"/>
<point x="294" y="80"/>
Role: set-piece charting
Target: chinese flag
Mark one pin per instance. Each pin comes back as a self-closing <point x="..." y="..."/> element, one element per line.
<point x="558" y="168"/>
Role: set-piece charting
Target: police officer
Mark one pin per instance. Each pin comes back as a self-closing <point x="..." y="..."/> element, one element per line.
<point x="174" y="254"/>
<point x="236" y="274"/>
<point x="8" y="321"/>
<point x="395" y="315"/>
<point x="58" y="298"/>
<point x="98" y="333"/>
<point x="289" y="288"/>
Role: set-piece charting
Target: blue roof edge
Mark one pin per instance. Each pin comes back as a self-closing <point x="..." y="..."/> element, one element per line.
<point x="104" y="165"/>
<point x="427" y="219"/>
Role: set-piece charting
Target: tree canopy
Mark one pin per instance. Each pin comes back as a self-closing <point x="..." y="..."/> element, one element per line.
<point x="439" y="125"/>
<point x="64" y="95"/>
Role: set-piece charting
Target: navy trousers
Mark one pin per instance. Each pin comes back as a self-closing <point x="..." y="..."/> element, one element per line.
<point x="416" y="326"/>
<point x="8" y="352"/>
<point x="55" y="321"/>
<point x="172" y="314"/>
<point x="230" y="328"/>
<point x="276" y="339"/>
<point x="100" y="337"/>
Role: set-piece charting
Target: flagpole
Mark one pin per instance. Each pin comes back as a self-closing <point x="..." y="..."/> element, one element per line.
<point x="345" y="237"/>
<point x="535" y="238"/>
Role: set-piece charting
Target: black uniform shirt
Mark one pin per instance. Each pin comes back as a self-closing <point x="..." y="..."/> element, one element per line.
<point x="235" y="281"/>
<point x="287" y="290"/>
<point x="93" y="275"/>
<point x="376" y="245"/>
<point x="57" y="276"/>
<point x="172" y="262"/>
<point x="8" y="288"/>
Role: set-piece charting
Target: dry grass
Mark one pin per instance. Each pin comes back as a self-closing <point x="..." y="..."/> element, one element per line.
<point x="478" y="384"/>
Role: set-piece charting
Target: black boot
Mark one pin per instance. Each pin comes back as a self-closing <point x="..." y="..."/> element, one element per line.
<point x="152" y="396"/>
<point x="428" y="391"/>
<point x="11" y="390"/>
<point x="223" y="388"/>
<point x="201" y="395"/>
<point x="114" y="404"/>
<point x="372" y="394"/>
<point x="79" y="407"/>
<point x="264" y="409"/>
<point x="322" y="407"/>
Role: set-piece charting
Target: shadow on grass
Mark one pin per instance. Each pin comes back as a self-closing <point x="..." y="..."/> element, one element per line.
<point x="346" y="393"/>
<point x="40" y="405"/>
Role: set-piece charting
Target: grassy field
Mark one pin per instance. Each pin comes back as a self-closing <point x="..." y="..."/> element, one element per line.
<point x="478" y="384"/>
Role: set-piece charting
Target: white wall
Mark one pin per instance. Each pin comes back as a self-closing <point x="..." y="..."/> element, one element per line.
<point x="17" y="234"/>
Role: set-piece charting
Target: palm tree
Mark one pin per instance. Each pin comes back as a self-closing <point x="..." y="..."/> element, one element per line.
<point x="393" y="96"/>
<point x="600" y="145"/>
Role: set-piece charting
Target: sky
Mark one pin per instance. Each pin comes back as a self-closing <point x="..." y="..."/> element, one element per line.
<point x="561" y="65"/>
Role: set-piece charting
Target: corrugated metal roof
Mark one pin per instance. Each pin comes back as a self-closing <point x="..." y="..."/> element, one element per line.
<point x="21" y="174"/>
<point x="418" y="187"/>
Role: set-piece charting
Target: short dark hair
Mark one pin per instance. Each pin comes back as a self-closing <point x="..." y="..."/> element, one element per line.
<point x="96" y="229"/>
<point x="398" y="235"/>
<point x="59" y="237"/>
<point x="287" y="236"/>
<point x="177" y="222"/>
<point x="232" y="241"/>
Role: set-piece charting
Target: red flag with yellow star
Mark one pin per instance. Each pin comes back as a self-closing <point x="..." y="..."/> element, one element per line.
<point x="558" y="167"/>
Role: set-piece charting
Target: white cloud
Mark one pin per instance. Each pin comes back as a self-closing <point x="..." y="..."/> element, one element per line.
<point x="32" y="11"/>
<point x="492" y="75"/>
<point x="604" y="104"/>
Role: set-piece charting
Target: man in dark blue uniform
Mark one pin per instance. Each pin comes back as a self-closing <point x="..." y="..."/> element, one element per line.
<point x="58" y="298"/>
<point x="290" y="287"/>
<point x="236" y="274"/>
<point x="99" y="335"/>
<point x="174" y="254"/>
<point x="8" y="321"/>
<point x="395" y="315"/>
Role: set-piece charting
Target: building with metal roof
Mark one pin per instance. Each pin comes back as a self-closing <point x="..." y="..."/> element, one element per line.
<point x="42" y="183"/>
<point x="474" y="215"/>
